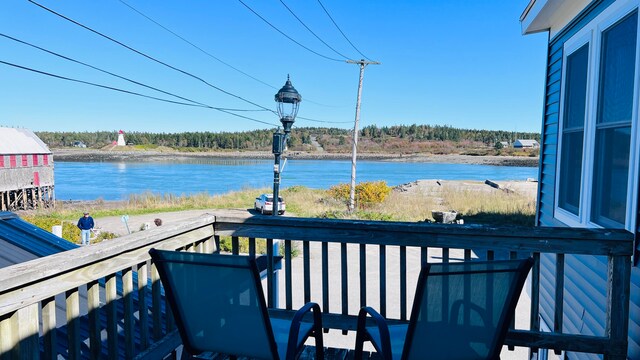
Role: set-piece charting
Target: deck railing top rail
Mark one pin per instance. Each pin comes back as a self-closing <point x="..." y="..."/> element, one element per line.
<point x="607" y="242"/>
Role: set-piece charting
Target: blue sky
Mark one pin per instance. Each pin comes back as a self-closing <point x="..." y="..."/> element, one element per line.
<point x="458" y="63"/>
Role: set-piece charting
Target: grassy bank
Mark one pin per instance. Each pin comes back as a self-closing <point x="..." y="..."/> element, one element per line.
<point x="474" y="207"/>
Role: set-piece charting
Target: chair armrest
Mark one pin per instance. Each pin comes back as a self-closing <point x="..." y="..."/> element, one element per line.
<point x="292" y="345"/>
<point x="362" y="335"/>
<point x="457" y="306"/>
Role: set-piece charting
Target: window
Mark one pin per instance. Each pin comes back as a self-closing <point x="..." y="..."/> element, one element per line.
<point x="596" y="172"/>
<point x="1" y="161"/>
<point x="35" y="160"/>
<point x="25" y="160"/>
<point x="575" y="101"/>
<point x="12" y="161"/>
<point x="45" y="159"/>
<point x="613" y="123"/>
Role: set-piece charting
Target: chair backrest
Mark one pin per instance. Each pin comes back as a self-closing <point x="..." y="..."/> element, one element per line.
<point x="463" y="310"/>
<point x="217" y="302"/>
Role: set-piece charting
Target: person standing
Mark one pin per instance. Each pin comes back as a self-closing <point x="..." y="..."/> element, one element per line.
<point x="85" y="224"/>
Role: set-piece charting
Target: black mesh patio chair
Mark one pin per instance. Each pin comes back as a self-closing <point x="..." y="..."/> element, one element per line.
<point x="219" y="307"/>
<point x="460" y="311"/>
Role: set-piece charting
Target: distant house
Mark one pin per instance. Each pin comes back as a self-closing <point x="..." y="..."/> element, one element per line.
<point x="26" y="171"/>
<point x="79" y="144"/>
<point x="505" y="144"/>
<point x="524" y="143"/>
<point x="589" y="163"/>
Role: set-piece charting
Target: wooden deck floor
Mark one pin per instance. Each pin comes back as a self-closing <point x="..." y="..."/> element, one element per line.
<point x="309" y="353"/>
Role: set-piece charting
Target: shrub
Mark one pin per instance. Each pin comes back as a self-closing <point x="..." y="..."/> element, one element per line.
<point x="367" y="193"/>
<point x="372" y="215"/>
<point x="261" y="246"/>
<point x="340" y="192"/>
<point x="70" y="231"/>
<point x="372" y="192"/>
<point x="332" y="214"/>
<point x="295" y="189"/>
<point x="105" y="235"/>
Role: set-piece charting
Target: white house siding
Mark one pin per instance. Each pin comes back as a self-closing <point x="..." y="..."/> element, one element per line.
<point x="585" y="276"/>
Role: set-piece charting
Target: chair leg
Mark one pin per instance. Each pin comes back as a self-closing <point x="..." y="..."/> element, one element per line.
<point x="357" y="354"/>
<point x="319" y="344"/>
<point x="185" y="355"/>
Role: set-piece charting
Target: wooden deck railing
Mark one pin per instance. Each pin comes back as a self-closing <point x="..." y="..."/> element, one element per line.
<point x="108" y="314"/>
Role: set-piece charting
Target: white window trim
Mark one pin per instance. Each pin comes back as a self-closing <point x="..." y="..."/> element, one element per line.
<point x="570" y="47"/>
<point x="592" y="34"/>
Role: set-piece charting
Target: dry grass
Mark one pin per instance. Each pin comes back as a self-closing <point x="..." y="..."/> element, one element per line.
<point x="402" y="206"/>
<point x="493" y="207"/>
<point x="480" y="207"/>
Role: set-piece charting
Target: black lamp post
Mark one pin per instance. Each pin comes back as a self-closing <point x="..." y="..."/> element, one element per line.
<point x="288" y="100"/>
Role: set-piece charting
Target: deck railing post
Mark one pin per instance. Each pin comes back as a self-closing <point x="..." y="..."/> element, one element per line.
<point x="618" y="292"/>
<point x="270" y="283"/>
<point x="9" y="336"/>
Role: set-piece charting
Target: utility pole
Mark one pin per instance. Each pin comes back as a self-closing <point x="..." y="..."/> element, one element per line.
<point x="352" y="193"/>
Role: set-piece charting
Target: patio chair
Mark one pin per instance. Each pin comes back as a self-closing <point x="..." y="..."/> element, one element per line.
<point x="460" y="311"/>
<point x="219" y="306"/>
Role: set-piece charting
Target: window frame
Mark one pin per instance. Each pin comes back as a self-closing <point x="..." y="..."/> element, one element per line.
<point x="570" y="47"/>
<point x="592" y="34"/>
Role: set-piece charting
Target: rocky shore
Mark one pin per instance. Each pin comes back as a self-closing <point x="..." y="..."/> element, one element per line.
<point x="150" y="155"/>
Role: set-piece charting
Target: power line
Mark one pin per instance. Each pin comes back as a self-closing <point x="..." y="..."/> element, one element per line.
<point x="285" y="35"/>
<point x="131" y="92"/>
<point x="209" y="54"/>
<point x="324" y="121"/>
<point x="169" y="66"/>
<point x="149" y="57"/>
<point x="196" y="46"/>
<point x="116" y="75"/>
<point x="341" y="32"/>
<point x="311" y="31"/>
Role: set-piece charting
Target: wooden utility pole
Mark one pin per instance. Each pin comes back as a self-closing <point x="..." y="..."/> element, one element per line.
<point x="352" y="193"/>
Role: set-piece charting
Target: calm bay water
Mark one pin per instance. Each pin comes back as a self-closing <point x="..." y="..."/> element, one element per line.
<point x="116" y="181"/>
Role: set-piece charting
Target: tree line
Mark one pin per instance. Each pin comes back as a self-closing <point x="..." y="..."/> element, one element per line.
<point x="247" y="140"/>
<point x="445" y="133"/>
<point x="261" y="139"/>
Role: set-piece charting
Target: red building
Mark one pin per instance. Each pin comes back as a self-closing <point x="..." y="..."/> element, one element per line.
<point x="26" y="171"/>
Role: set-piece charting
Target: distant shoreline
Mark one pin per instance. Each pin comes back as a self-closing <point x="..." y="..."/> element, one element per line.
<point x="89" y="155"/>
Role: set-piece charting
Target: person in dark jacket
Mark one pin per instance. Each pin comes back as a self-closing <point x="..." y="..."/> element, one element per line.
<point x="85" y="224"/>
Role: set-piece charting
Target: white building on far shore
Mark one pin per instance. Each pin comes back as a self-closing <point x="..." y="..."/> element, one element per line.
<point x="524" y="143"/>
<point x="121" y="141"/>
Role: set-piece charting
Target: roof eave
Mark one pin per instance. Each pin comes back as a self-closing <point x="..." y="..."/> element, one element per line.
<point x="532" y="20"/>
<point x="550" y="15"/>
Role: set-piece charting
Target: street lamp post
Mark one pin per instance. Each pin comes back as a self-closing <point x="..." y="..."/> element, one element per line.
<point x="288" y="100"/>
